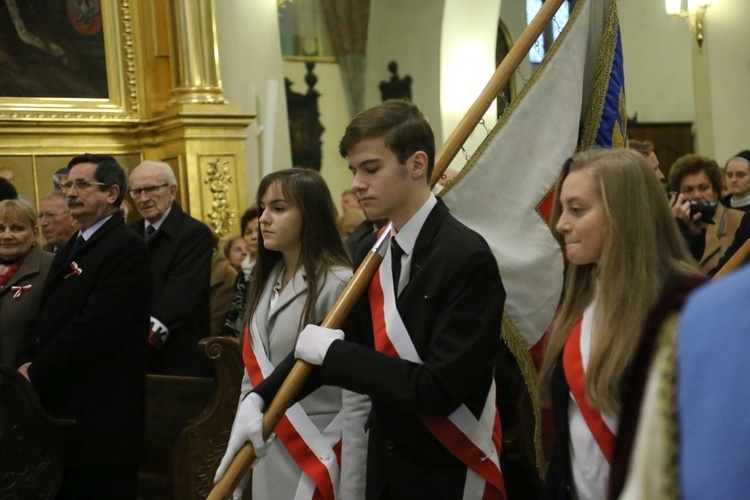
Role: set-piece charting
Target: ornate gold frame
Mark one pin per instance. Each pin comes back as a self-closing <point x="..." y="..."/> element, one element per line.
<point x="122" y="104"/>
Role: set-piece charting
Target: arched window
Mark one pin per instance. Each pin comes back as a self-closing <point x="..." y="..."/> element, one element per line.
<point x="551" y="32"/>
<point x="502" y="47"/>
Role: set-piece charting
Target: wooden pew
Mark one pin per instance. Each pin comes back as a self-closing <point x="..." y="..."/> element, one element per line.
<point x="31" y="441"/>
<point x="187" y="425"/>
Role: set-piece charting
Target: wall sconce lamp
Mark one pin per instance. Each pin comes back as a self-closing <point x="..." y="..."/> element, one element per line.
<point x="694" y="10"/>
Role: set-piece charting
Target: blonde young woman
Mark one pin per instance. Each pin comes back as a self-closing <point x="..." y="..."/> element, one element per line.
<point x="300" y="271"/>
<point x="624" y="249"/>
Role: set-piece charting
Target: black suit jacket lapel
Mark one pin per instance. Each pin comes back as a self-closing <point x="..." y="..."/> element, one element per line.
<point x="171" y="225"/>
<point x="426" y="237"/>
<point x="99" y="234"/>
<point x="139" y="227"/>
<point x="61" y="262"/>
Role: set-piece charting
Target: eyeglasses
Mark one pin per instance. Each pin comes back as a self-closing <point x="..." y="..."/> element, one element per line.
<point x="50" y="215"/>
<point x="149" y="190"/>
<point x="80" y="185"/>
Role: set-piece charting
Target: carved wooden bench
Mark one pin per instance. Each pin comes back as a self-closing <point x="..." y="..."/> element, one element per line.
<point x="31" y="441"/>
<point x="187" y="425"/>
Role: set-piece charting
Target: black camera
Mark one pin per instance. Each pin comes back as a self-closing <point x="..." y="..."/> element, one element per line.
<point x="707" y="209"/>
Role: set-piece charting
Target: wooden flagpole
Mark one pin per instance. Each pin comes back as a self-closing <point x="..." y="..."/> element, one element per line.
<point x="739" y="258"/>
<point x="502" y="75"/>
<point x="361" y="279"/>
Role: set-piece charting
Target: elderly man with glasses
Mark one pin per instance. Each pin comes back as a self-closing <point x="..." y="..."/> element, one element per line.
<point x="55" y="220"/>
<point x="181" y="249"/>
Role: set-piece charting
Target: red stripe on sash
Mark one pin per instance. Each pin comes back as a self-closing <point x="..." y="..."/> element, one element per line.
<point x="288" y="435"/>
<point x="576" y="377"/>
<point x="251" y="363"/>
<point x="462" y="448"/>
<point x="305" y="458"/>
<point x="497" y="439"/>
<point x="442" y="428"/>
<point x="377" y="308"/>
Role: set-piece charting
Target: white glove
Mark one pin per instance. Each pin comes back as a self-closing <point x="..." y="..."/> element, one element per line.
<point x="247" y="426"/>
<point x="313" y="343"/>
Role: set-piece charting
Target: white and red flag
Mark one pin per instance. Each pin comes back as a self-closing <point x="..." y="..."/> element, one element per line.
<point x="575" y="99"/>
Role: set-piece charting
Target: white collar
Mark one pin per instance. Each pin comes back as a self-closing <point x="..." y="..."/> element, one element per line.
<point x="741" y="202"/>
<point x="89" y="232"/>
<point x="158" y="223"/>
<point x="407" y="237"/>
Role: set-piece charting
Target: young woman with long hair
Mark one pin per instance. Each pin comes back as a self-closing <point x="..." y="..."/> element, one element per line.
<point x="624" y="249"/>
<point x="300" y="271"/>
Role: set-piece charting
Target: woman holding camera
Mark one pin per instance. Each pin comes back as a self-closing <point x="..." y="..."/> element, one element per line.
<point x="697" y="179"/>
<point x="624" y="251"/>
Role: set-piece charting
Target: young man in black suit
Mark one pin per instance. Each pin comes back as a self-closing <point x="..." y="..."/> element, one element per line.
<point x="86" y="352"/>
<point x="422" y="342"/>
<point x="181" y="249"/>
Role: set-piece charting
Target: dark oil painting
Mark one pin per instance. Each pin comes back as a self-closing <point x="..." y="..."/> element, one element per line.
<point x="52" y="48"/>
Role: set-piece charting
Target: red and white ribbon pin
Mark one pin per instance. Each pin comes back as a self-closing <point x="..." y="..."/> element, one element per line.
<point x="19" y="290"/>
<point x="76" y="270"/>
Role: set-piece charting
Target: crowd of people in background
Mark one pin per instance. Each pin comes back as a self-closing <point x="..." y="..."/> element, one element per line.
<point x="418" y="348"/>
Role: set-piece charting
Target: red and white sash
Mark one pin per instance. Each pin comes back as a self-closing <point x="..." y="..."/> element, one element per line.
<point x="476" y="443"/>
<point x="317" y="454"/>
<point x="575" y="375"/>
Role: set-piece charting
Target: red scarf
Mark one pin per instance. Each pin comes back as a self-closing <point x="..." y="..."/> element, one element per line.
<point x="8" y="270"/>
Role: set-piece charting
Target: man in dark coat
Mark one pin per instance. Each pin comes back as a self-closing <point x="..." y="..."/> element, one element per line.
<point x="181" y="249"/>
<point x="422" y="341"/>
<point x="86" y="351"/>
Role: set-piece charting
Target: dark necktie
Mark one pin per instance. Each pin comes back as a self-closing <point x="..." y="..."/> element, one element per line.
<point x="76" y="245"/>
<point x="150" y="230"/>
<point x="396" y="254"/>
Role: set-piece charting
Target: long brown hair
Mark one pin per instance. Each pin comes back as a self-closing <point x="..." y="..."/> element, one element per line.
<point x="321" y="246"/>
<point x="643" y="248"/>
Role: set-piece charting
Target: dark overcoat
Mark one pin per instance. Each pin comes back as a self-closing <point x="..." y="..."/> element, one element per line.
<point x="88" y="345"/>
<point x="181" y="263"/>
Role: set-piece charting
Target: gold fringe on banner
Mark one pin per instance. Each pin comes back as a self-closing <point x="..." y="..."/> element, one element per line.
<point x="604" y="63"/>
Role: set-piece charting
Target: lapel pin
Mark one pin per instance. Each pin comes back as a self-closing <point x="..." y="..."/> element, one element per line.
<point x="75" y="270"/>
<point x="19" y="290"/>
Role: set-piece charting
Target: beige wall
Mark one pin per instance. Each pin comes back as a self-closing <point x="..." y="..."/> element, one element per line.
<point x="408" y="32"/>
<point x="658" y="69"/>
<point x="250" y="61"/>
<point x="334" y="117"/>
<point x="467" y="62"/>
<point x="513" y="14"/>
<point x="722" y="81"/>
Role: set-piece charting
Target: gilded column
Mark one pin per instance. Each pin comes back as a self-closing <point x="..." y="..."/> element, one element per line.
<point x="195" y="65"/>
